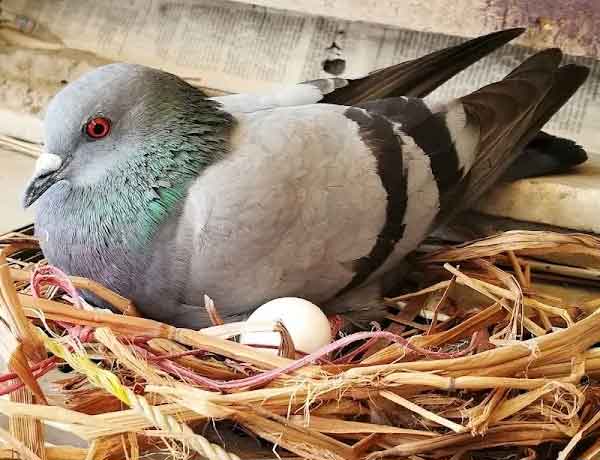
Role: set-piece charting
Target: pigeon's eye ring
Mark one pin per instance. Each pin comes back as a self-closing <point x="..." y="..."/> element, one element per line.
<point x="97" y="128"/>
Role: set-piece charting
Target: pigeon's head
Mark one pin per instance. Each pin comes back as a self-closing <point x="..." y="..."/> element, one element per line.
<point x="95" y="125"/>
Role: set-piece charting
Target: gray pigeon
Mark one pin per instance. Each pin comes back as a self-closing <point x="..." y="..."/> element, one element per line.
<point x="164" y="195"/>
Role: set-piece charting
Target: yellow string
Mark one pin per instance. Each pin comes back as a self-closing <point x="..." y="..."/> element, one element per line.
<point x="80" y="362"/>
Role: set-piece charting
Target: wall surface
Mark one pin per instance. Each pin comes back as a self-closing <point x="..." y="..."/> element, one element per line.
<point x="571" y="24"/>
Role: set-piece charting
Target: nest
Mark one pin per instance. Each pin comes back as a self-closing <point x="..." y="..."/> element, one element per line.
<point x="490" y="356"/>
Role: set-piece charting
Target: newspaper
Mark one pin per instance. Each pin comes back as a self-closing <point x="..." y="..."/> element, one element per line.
<point x="237" y="47"/>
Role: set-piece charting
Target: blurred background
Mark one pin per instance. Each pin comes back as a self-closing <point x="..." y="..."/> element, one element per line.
<point x="226" y="46"/>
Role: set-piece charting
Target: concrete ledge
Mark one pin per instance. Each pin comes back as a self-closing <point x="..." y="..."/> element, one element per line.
<point x="569" y="200"/>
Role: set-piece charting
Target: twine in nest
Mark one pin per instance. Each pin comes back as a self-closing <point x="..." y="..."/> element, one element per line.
<point x="108" y="381"/>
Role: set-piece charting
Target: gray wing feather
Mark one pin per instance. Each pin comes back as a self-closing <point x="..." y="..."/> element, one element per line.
<point x="309" y="92"/>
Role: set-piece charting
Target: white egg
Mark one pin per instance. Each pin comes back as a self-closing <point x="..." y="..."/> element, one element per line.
<point x="308" y="326"/>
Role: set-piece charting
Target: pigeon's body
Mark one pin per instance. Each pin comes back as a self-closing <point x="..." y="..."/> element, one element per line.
<point x="302" y="204"/>
<point x="304" y="208"/>
<point x="249" y="198"/>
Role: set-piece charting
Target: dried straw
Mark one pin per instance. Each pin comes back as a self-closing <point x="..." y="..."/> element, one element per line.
<point x="479" y="357"/>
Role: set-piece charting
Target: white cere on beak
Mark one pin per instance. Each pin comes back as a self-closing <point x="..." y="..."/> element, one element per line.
<point x="47" y="163"/>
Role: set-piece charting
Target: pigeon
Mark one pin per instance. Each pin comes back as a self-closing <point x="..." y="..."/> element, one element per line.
<point x="166" y="195"/>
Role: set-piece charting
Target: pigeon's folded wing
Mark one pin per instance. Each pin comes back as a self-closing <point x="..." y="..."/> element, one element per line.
<point x="317" y="200"/>
<point x="417" y="77"/>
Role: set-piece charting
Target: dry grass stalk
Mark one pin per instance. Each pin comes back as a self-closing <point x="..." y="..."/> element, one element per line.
<point x="303" y="441"/>
<point x="335" y="426"/>
<point x="114" y="423"/>
<point x="423" y="412"/>
<point x="229" y="349"/>
<point x="577" y="437"/>
<point x="122" y="304"/>
<point x="213" y="369"/>
<point x="483" y="319"/>
<point x="13" y="313"/>
<point x="522" y="242"/>
<point x="119" y="447"/>
<point x="503" y="435"/>
<point x="27" y="430"/>
<point x="124" y="325"/>
<point x="593" y="452"/>
<point x="16" y="445"/>
<point x="17" y="145"/>
<point x="52" y="453"/>
<point x="128" y="359"/>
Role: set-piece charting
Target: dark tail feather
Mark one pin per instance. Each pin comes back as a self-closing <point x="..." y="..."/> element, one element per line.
<point x="546" y="154"/>
<point x="510" y="114"/>
<point x="539" y="152"/>
<point x="420" y="76"/>
<point x="547" y="60"/>
<point x="568" y="79"/>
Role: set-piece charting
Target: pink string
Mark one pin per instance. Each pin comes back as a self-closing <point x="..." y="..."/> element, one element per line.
<point x="353" y="354"/>
<point x="49" y="275"/>
<point x="175" y="369"/>
<point x="39" y="370"/>
<point x="42" y="364"/>
<point x="268" y="376"/>
<point x="181" y="354"/>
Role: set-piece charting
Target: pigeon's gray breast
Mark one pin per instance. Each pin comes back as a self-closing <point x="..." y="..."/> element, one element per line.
<point x="287" y="212"/>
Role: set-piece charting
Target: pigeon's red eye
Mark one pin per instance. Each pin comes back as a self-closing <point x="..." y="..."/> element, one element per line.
<point x="98" y="127"/>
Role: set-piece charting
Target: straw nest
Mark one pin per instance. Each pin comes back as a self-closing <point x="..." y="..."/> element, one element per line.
<point x="491" y="356"/>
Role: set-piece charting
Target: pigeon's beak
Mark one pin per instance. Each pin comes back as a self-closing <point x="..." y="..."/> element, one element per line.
<point x="46" y="173"/>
